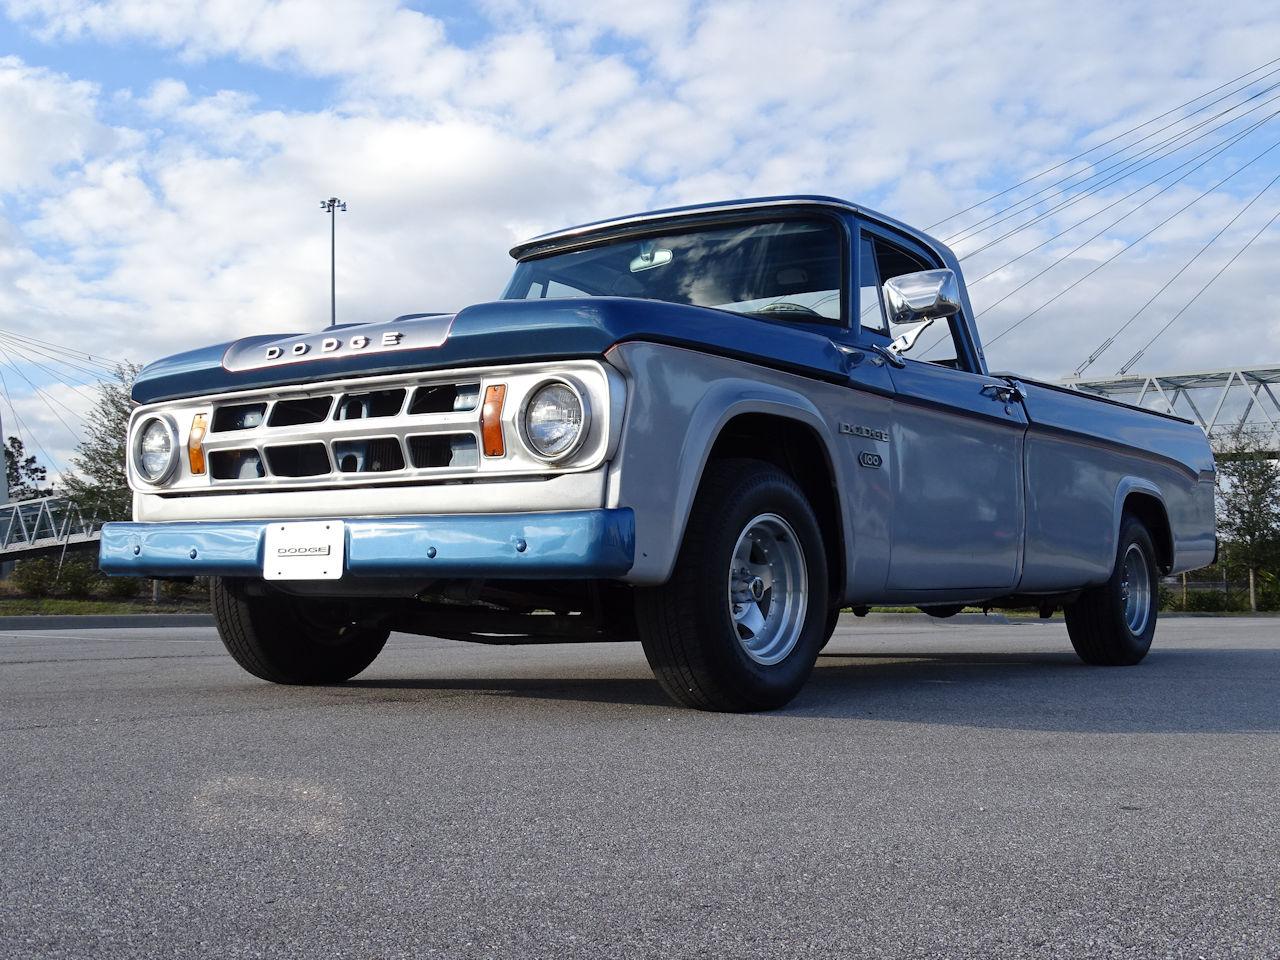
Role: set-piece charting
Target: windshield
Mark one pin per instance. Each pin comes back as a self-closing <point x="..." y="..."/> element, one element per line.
<point x="786" y="268"/>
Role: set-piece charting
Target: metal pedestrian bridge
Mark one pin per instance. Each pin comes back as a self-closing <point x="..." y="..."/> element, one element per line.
<point x="45" y="526"/>
<point x="1222" y="402"/>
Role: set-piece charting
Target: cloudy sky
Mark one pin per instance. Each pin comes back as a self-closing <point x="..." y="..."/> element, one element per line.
<point x="162" y="160"/>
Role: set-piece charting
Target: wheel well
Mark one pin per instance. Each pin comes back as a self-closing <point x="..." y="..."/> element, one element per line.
<point x="796" y="448"/>
<point x="1151" y="512"/>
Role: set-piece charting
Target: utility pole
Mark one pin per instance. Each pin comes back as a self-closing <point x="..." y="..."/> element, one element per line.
<point x="331" y="207"/>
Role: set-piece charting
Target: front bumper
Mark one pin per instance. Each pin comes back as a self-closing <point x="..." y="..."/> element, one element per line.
<point x="570" y="545"/>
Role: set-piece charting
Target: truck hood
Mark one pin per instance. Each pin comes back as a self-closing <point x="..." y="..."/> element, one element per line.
<point x="506" y="331"/>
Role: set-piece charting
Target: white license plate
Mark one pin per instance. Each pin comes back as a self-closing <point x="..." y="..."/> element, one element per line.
<point x="310" y="550"/>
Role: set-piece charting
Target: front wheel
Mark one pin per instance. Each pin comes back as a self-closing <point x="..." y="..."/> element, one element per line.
<point x="294" y="640"/>
<point x="1112" y="624"/>
<point x="739" y="624"/>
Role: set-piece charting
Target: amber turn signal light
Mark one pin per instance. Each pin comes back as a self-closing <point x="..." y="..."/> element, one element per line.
<point x="195" y="444"/>
<point x="491" y="420"/>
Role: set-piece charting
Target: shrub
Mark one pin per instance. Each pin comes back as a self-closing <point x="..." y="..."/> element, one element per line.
<point x="77" y="576"/>
<point x="1268" y="593"/>
<point x="35" y="577"/>
<point x="1207" y="601"/>
<point x="176" y="589"/>
<point x="121" y="588"/>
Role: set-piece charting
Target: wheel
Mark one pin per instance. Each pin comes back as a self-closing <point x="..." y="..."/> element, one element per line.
<point x="739" y="624"/>
<point x="291" y="640"/>
<point x="1112" y="624"/>
<point x="829" y="628"/>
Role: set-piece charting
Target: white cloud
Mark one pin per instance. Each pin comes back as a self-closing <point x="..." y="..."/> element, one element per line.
<point x="48" y="121"/>
<point x="321" y="37"/>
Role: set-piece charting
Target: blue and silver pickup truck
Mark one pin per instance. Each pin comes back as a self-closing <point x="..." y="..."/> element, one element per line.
<point x="708" y="429"/>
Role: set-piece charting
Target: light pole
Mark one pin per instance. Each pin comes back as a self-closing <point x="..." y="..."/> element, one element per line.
<point x="331" y="207"/>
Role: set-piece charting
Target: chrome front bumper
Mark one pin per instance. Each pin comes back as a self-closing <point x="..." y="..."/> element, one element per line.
<point x="570" y="545"/>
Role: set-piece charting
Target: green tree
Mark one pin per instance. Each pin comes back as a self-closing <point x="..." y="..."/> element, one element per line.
<point x="98" y="481"/>
<point x="27" y="476"/>
<point x="1249" y="503"/>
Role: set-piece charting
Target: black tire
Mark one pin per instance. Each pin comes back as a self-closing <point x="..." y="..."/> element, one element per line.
<point x="1097" y="623"/>
<point x="292" y="640"/>
<point x="829" y="628"/>
<point x="688" y="632"/>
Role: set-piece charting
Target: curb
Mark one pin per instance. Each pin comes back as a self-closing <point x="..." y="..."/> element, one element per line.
<point x="106" y="621"/>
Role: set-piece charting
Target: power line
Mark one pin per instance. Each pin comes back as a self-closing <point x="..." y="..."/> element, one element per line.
<point x="1106" y="344"/>
<point x="1131" y="244"/>
<point x="1211" y="152"/>
<point x="29" y="353"/>
<point x="68" y="382"/>
<point x="1134" y="129"/>
<point x="1159" y="333"/>
<point x="1151" y="155"/>
<point x="80" y="355"/>
<point x="1076" y="249"/>
<point x="44" y="398"/>
<point x="27" y="350"/>
<point x="22" y="427"/>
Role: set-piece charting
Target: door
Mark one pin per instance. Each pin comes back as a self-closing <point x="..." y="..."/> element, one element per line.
<point x="957" y="452"/>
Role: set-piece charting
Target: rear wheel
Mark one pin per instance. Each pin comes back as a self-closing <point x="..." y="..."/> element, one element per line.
<point x="739" y="624"/>
<point x="1112" y="624"/>
<point x="291" y="640"/>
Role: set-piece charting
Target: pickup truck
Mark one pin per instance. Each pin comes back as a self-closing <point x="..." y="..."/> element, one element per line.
<point x="708" y="429"/>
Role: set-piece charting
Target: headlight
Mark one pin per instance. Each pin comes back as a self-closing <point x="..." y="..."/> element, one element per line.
<point x="555" y="420"/>
<point x="155" y="449"/>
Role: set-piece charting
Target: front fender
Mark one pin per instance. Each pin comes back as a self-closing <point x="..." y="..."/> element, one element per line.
<point x="680" y="402"/>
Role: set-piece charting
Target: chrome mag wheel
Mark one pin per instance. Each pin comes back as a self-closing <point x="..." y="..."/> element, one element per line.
<point x="768" y="589"/>
<point x="1135" y="589"/>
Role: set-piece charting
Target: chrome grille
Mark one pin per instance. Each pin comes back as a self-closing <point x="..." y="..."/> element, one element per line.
<point x="384" y="431"/>
<point x="401" y="430"/>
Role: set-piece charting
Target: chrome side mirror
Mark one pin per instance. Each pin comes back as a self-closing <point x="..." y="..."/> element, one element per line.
<point x="920" y="298"/>
<point x="928" y="295"/>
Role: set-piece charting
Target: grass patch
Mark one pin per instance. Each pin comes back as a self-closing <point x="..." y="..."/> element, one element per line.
<point x="65" y="607"/>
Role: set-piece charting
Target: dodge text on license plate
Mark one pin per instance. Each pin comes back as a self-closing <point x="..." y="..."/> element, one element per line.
<point x="312" y="550"/>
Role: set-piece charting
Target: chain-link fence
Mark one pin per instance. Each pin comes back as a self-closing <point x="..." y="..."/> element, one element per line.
<point x="1217" y="596"/>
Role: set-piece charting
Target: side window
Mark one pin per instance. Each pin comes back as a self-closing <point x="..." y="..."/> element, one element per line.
<point x="938" y="344"/>
<point x="870" y="310"/>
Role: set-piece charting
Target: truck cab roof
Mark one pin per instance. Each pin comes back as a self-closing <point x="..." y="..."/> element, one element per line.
<point x="587" y="232"/>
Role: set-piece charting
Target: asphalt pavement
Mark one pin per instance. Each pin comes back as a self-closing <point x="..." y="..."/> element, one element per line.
<point x="938" y="790"/>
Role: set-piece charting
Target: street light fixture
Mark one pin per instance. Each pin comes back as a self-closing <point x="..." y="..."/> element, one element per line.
<point x="331" y="207"/>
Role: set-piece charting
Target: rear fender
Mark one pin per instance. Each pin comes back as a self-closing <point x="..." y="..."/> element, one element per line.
<point x="1161" y="535"/>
